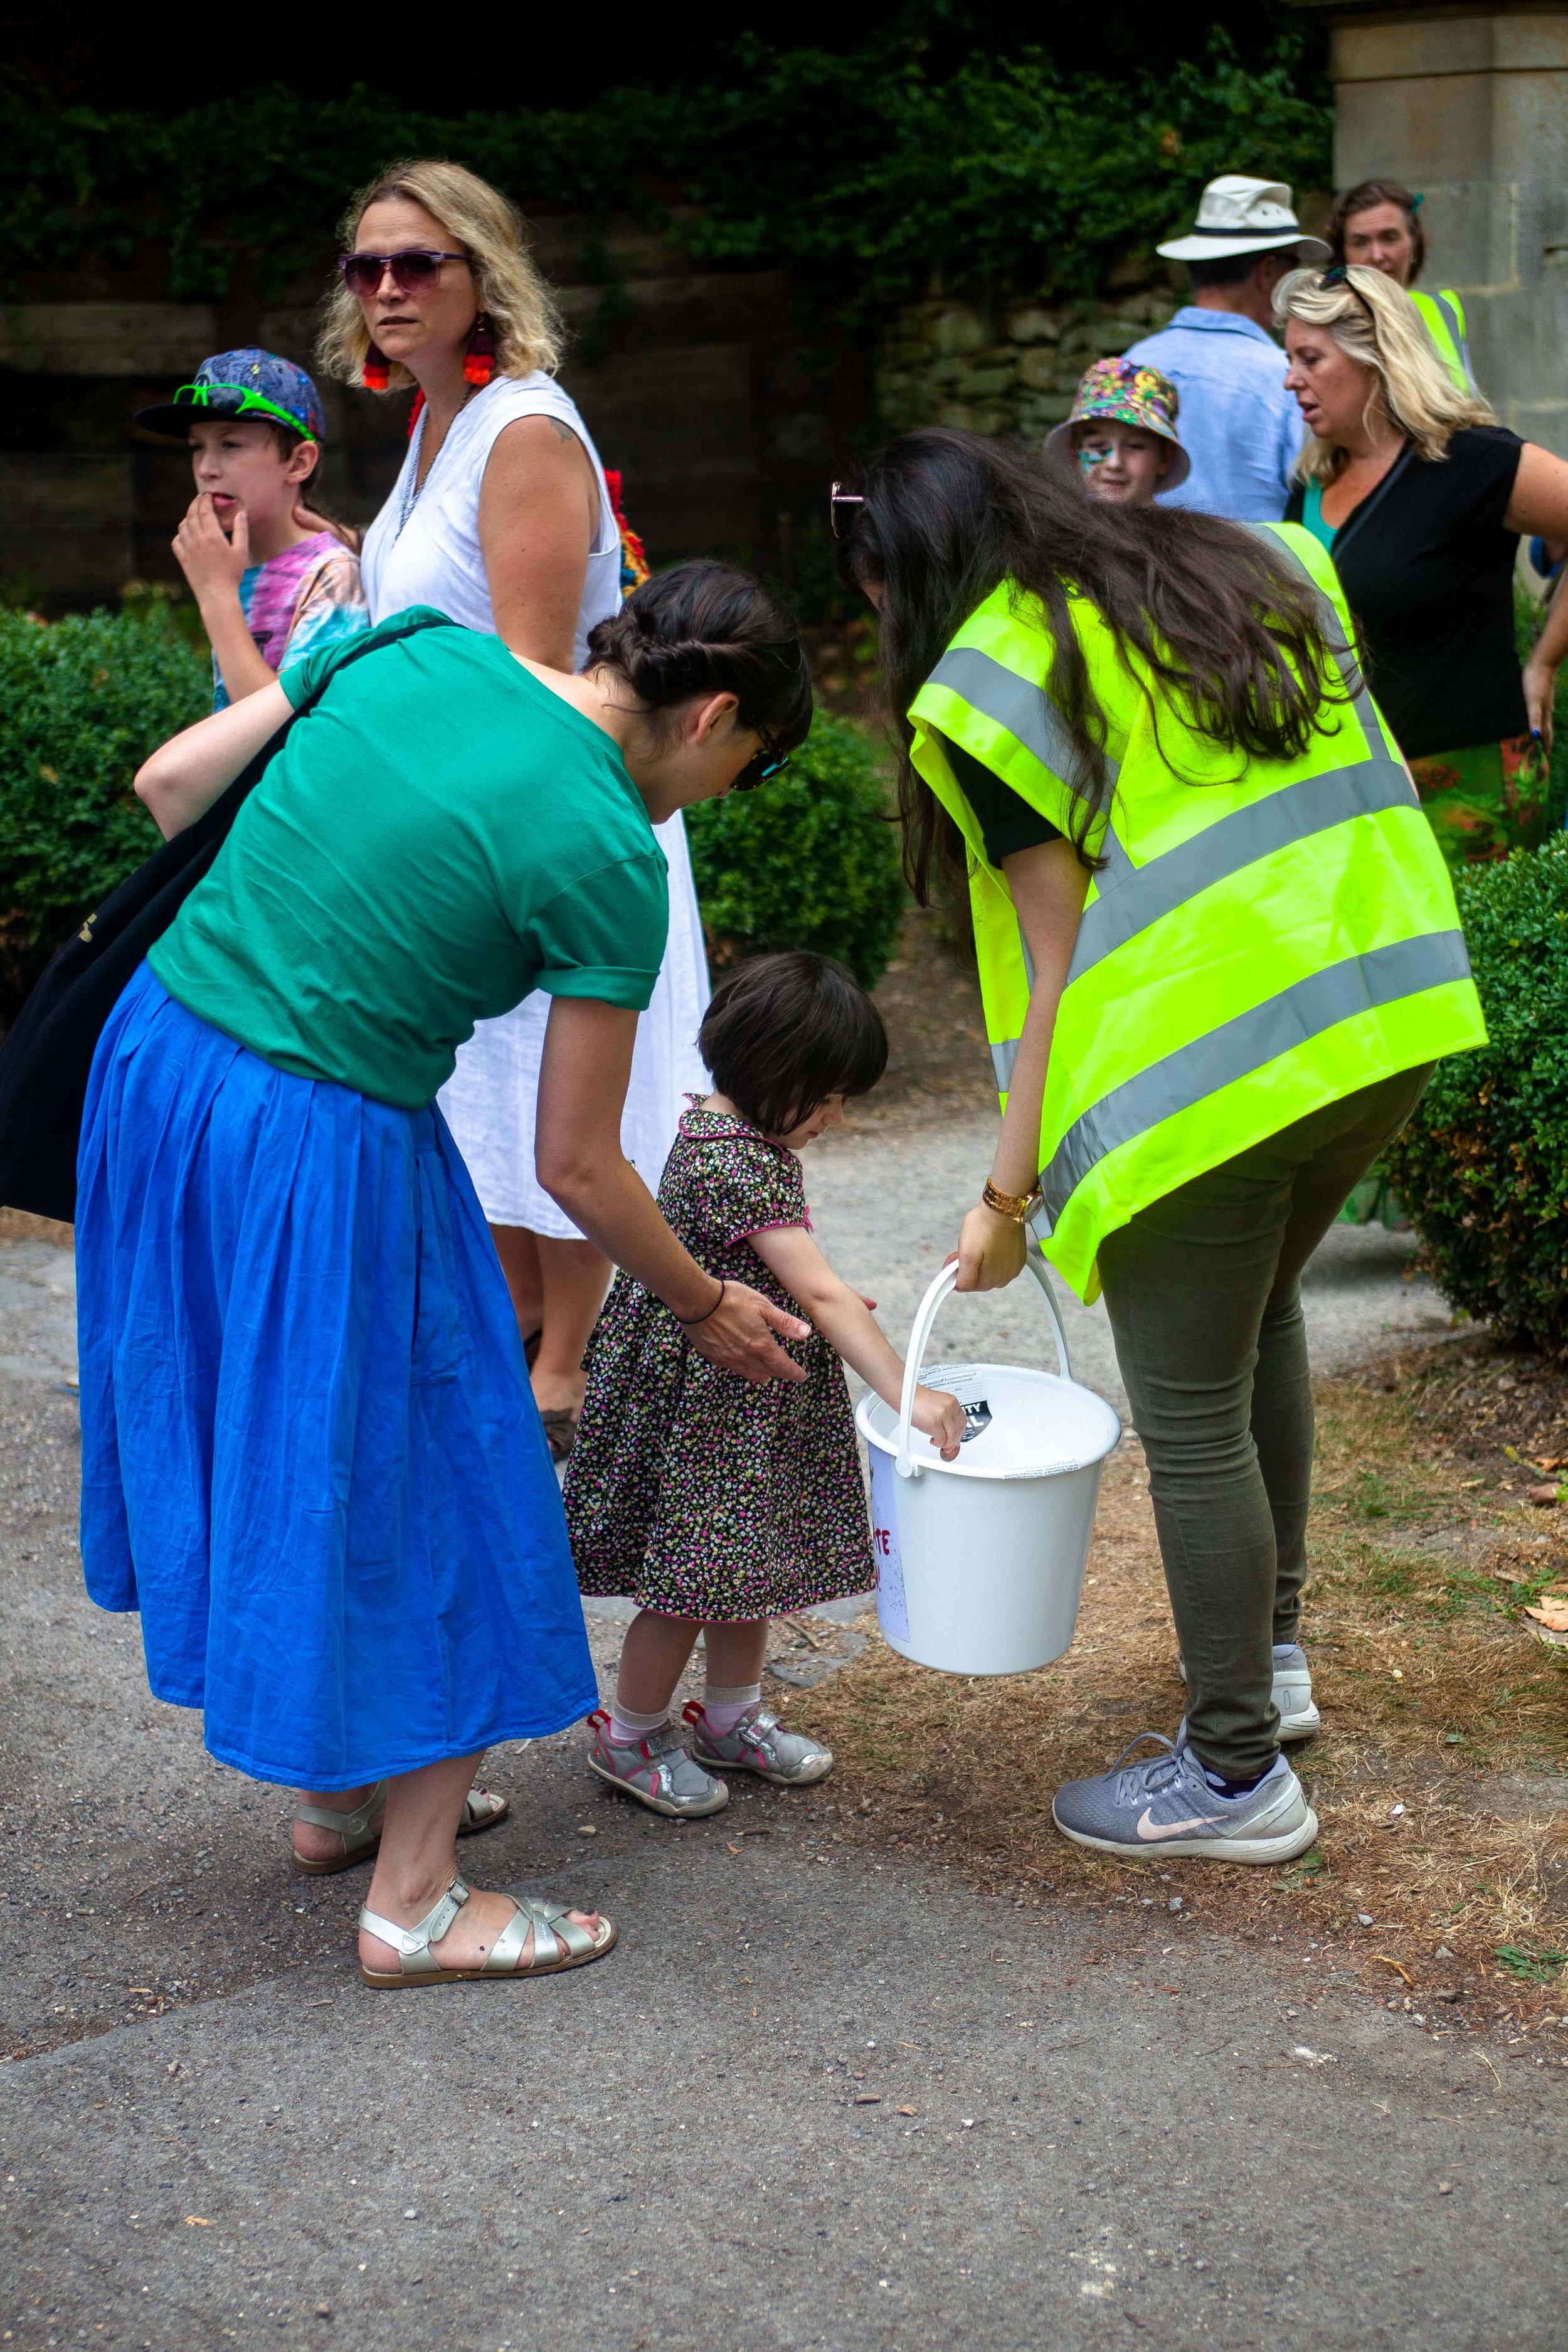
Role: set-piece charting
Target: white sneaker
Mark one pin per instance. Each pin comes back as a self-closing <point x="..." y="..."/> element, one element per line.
<point x="1299" y="1717"/>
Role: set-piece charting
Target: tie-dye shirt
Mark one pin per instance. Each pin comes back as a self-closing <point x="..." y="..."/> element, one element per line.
<point x="297" y="601"/>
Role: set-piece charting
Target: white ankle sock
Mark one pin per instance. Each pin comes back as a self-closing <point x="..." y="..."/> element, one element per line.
<point x="627" y="1727"/>
<point x="723" y="1704"/>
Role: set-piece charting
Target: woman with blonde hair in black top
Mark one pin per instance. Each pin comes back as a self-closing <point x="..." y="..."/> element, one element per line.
<point x="1420" y="496"/>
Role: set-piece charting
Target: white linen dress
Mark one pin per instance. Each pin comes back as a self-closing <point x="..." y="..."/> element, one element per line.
<point x="423" y="549"/>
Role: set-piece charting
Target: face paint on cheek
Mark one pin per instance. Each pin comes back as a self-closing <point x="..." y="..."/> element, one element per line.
<point x="1089" y="458"/>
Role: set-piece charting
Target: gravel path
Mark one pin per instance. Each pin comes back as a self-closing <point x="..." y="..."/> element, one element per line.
<point x="888" y="1206"/>
<point x="812" y="2101"/>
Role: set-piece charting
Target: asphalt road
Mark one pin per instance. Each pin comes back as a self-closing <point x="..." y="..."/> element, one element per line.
<point x="1119" y="2124"/>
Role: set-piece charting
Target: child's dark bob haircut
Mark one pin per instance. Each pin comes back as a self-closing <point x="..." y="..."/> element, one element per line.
<point x="784" y="1032"/>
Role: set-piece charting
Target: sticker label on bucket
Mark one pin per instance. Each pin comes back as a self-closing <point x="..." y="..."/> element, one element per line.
<point x="962" y="1382"/>
<point x="891" y="1607"/>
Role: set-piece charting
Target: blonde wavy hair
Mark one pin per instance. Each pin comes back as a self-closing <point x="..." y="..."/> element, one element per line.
<point x="1382" y="331"/>
<point x="491" y="232"/>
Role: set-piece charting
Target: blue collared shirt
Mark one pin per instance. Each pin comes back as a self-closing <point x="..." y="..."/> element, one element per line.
<point x="1239" y="425"/>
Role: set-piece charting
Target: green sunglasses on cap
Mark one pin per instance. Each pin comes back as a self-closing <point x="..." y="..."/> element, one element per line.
<point x="237" y="400"/>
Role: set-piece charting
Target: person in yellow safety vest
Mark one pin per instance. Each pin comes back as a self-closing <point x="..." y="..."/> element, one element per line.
<point x="1376" y="225"/>
<point x="1219" y="954"/>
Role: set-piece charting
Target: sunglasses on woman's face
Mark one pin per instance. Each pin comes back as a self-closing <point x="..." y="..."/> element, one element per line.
<point x="414" y="270"/>
<point x="762" y="766"/>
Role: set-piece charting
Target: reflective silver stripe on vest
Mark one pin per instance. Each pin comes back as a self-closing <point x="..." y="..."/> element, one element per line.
<point x="1030" y="716"/>
<point x="1003" y="1057"/>
<point x="1136" y="896"/>
<point x="1239" y="1047"/>
<point x="1461" y="340"/>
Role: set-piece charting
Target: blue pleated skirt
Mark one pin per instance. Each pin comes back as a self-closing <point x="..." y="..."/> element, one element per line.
<point x="310" y="1454"/>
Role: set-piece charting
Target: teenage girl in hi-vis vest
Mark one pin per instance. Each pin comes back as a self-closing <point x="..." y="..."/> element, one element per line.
<point x="1219" y="954"/>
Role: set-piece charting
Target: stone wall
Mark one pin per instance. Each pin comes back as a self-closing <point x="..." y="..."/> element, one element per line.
<point x="1469" y="104"/>
<point x="694" y="384"/>
<point x="1010" y="370"/>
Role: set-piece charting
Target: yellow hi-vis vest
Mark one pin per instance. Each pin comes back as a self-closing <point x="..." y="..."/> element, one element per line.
<point x="1263" y="937"/>
<point x="1443" y="315"/>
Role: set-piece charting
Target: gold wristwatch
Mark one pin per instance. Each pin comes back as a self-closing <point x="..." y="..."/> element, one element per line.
<point x="1019" y="1207"/>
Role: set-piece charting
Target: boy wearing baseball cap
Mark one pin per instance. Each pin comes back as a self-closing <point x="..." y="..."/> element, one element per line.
<point x="270" y="586"/>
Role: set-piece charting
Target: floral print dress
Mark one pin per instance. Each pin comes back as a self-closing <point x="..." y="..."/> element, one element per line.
<point x="697" y="1493"/>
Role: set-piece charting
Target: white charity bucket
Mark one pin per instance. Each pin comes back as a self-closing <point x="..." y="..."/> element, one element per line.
<point x="980" y="1562"/>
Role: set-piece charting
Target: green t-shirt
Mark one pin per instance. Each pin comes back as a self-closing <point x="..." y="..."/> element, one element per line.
<point x="437" y="835"/>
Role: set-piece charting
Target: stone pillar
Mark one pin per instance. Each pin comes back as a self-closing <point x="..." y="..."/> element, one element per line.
<point x="1469" y="105"/>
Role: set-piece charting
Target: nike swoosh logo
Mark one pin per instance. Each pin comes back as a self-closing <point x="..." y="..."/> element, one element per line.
<point x="1150" y="1828"/>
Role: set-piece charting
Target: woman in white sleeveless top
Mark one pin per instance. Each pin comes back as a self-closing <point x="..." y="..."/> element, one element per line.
<point x="501" y="517"/>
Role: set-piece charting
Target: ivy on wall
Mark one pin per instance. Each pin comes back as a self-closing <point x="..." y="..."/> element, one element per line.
<point x="862" y="175"/>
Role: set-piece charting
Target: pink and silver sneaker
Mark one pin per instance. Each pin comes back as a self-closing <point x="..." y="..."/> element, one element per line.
<point x="759" y="1743"/>
<point x="658" y="1771"/>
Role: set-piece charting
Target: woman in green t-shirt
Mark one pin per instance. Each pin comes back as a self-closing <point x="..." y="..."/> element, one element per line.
<point x="310" y="1454"/>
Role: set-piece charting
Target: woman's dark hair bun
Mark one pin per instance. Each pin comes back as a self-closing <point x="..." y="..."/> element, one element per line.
<point x="703" y="628"/>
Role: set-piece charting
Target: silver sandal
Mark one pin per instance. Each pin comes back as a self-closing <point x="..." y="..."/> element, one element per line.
<point x="558" y="1943"/>
<point x="482" y="1809"/>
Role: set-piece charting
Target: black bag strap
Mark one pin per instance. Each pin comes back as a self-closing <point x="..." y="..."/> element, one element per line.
<point x="47" y="1057"/>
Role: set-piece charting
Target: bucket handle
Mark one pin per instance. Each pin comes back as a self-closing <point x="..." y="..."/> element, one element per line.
<point x="941" y="1289"/>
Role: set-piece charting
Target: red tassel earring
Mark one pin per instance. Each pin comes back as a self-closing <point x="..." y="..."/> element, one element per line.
<point x="375" y="373"/>
<point x="480" y="358"/>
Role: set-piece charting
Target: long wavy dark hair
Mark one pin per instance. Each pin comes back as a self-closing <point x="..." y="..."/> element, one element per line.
<point x="1206" y="609"/>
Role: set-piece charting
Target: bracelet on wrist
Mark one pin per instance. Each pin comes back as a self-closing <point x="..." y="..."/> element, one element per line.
<point x="1017" y="1207"/>
<point x="688" y="1321"/>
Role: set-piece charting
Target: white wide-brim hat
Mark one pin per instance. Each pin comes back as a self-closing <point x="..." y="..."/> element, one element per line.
<point x="1241" y="216"/>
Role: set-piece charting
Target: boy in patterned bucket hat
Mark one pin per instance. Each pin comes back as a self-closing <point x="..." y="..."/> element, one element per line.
<point x="270" y="582"/>
<point x="1122" y="433"/>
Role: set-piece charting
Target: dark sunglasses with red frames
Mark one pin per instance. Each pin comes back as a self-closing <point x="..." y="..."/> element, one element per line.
<point x="414" y="270"/>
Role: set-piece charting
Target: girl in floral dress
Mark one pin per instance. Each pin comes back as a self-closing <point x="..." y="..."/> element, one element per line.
<point x="715" y="1502"/>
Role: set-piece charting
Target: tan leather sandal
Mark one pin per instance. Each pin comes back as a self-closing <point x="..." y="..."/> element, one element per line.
<point x="482" y="1809"/>
<point x="558" y="1943"/>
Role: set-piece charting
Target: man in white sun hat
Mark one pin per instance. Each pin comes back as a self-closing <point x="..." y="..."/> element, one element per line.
<point x="1239" y="426"/>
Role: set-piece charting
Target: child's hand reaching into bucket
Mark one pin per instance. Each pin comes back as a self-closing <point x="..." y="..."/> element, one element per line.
<point x="939" y="1417"/>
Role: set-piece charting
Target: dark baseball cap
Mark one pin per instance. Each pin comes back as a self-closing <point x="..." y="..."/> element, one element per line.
<point x="241" y="383"/>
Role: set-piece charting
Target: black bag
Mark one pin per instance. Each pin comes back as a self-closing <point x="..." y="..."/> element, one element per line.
<point x="46" y="1057"/>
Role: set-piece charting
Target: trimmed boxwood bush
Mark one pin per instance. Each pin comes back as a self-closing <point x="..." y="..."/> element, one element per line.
<point x="82" y="703"/>
<point x="1482" y="1168"/>
<point x="808" y="861"/>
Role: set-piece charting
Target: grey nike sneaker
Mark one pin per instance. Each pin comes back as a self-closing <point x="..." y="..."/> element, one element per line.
<point x="760" y="1743"/>
<point x="658" y="1771"/>
<point x="1299" y="1717"/>
<point x="1163" y="1804"/>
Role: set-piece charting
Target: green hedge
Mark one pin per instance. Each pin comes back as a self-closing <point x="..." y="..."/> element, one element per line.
<point x="1482" y="1167"/>
<point x="82" y="703"/>
<point x="808" y="861"/>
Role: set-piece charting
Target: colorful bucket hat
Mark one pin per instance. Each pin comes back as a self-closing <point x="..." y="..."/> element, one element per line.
<point x="1131" y="394"/>
<point x="241" y="383"/>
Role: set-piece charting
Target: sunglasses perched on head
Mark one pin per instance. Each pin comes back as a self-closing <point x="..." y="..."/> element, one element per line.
<point x="762" y="766"/>
<point x="1332" y="279"/>
<point x="236" y="400"/>
<point x="414" y="270"/>
<point x="839" y="496"/>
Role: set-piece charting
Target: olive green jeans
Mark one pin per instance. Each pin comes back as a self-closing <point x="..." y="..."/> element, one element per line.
<point x="1203" y="1289"/>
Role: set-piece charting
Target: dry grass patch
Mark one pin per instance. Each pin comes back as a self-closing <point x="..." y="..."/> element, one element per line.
<point x="1438" y="1775"/>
